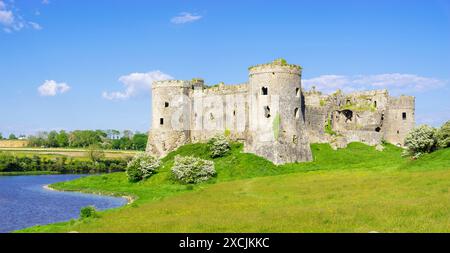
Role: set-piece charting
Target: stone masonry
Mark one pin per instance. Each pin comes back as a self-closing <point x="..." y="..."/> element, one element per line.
<point x="273" y="116"/>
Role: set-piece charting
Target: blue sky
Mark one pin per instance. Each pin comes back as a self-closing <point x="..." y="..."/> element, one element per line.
<point x="89" y="64"/>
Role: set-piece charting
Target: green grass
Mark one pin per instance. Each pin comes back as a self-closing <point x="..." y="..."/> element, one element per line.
<point x="356" y="189"/>
<point x="50" y="153"/>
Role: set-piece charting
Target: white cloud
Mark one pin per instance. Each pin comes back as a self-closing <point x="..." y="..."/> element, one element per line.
<point x="136" y="83"/>
<point x="52" y="88"/>
<point x="45" y="2"/>
<point x="396" y="83"/>
<point x="35" y="26"/>
<point x="11" y="21"/>
<point x="185" y="17"/>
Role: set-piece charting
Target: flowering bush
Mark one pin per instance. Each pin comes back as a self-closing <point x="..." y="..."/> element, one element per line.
<point x="142" y="166"/>
<point x="443" y="135"/>
<point x="192" y="170"/>
<point x="421" y="140"/>
<point x="218" y="146"/>
<point x="88" y="212"/>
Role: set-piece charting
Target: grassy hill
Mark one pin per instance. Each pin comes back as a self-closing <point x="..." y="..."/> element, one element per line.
<point x="356" y="189"/>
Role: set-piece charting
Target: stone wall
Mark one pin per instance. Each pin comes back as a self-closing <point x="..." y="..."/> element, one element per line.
<point x="273" y="116"/>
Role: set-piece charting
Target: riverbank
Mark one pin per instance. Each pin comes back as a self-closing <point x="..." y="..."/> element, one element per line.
<point x="29" y="173"/>
<point x="130" y="199"/>
<point x="356" y="189"/>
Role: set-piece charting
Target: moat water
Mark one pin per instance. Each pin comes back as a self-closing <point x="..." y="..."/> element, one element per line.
<point x="24" y="202"/>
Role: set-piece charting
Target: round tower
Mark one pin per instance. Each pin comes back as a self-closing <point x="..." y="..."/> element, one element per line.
<point x="170" y="116"/>
<point x="276" y="116"/>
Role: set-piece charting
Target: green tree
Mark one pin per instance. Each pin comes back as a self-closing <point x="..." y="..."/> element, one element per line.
<point x="95" y="153"/>
<point x="52" y="140"/>
<point x="140" y="141"/>
<point x="443" y="135"/>
<point x="62" y="139"/>
<point x="12" y="137"/>
<point x="1" y="136"/>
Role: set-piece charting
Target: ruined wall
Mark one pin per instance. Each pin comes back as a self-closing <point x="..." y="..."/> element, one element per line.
<point x="219" y="109"/>
<point x="317" y="111"/>
<point x="400" y="119"/>
<point x="273" y="116"/>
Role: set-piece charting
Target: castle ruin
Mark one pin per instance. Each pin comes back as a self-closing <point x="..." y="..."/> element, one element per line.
<point x="273" y="116"/>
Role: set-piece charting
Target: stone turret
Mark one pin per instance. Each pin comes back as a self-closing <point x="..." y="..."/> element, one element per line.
<point x="171" y="116"/>
<point x="276" y="119"/>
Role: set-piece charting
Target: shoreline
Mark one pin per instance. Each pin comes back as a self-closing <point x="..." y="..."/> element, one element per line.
<point x="129" y="199"/>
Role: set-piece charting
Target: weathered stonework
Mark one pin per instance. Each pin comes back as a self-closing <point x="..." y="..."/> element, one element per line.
<point x="273" y="116"/>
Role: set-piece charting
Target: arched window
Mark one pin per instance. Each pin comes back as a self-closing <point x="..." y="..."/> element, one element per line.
<point x="166" y="104"/>
<point x="267" y="111"/>
<point x="264" y="91"/>
<point x="296" y="113"/>
<point x="161" y="121"/>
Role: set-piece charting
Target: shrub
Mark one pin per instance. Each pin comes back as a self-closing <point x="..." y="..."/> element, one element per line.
<point x="218" y="146"/>
<point x="443" y="135"/>
<point x="88" y="212"/>
<point x="142" y="166"/>
<point x="421" y="140"/>
<point x="192" y="170"/>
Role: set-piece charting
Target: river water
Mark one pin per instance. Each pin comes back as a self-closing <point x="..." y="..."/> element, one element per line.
<point x="24" y="202"/>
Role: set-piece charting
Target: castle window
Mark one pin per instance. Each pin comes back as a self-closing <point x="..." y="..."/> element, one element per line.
<point x="378" y="129"/>
<point x="404" y="115"/>
<point x="234" y="113"/>
<point x="166" y="104"/>
<point x="264" y="91"/>
<point x="161" y="121"/>
<point x="398" y="132"/>
<point x="296" y="114"/>
<point x="348" y="102"/>
<point x="295" y="139"/>
<point x="211" y="116"/>
<point x="267" y="111"/>
<point x="297" y="92"/>
<point x="375" y="104"/>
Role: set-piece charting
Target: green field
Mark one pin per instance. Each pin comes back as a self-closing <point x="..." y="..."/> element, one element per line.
<point x="356" y="189"/>
<point x="68" y="152"/>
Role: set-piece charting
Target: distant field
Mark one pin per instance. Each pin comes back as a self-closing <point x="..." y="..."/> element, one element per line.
<point x="356" y="189"/>
<point x="69" y="152"/>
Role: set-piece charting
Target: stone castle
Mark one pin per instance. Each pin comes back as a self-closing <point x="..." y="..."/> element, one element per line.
<point x="273" y="116"/>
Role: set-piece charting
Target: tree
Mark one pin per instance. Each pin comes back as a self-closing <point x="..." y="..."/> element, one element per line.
<point x="62" y="139"/>
<point x="443" y="135"/>
<point x="127" y="134"/>
<point x="421" y="140"/>
<point x="140" y="141"/>
<point x="1" y="136"/>
<point x="52" y="140"/>
<point x="95" y="153"/>
<point x="12" y="137"/>
<point x="115" y="134"/>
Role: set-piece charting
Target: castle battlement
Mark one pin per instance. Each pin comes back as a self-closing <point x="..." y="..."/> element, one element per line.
<point x="272" y="115"/>
<point x="278" y="65"/>
<point x="171" y="83"/>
